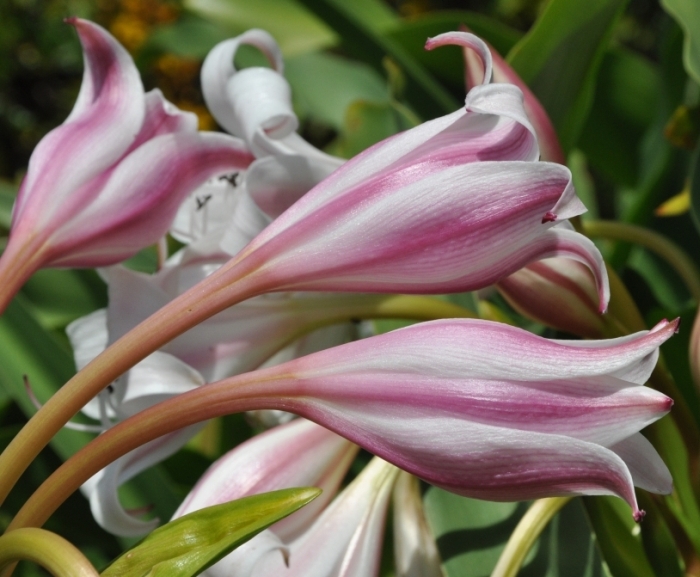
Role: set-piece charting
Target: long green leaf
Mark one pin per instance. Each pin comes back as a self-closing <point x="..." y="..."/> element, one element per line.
<point x="296" y="30"/>
<point x="190" y="544"/>
<point x="687" y="14"/>
<point x="618" y="537"/>
<point x="560" y="56"/>
<point x="694" y="175"/>
<point x="362" y="41"/>
<point x="471" y="535"/>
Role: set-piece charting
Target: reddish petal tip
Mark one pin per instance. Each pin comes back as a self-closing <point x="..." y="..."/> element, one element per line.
<point x="639" y="515"/>
<point x="677" y="325"/>
<point x="72" y="20"/>
<point x="549" y="217"/>
<point x="429" y="44"/>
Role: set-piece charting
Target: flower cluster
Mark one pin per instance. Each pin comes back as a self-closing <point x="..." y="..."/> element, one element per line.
<point x="283" y="248"/>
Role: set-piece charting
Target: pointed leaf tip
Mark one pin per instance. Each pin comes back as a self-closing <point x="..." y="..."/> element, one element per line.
<point x="189" y="544"/>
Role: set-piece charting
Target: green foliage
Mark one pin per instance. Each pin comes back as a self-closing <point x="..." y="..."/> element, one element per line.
<point x="471" y="535"/>
<point x="559" y="59"/>
<point x="687" y="14"/>
<point x="188" y="545"/>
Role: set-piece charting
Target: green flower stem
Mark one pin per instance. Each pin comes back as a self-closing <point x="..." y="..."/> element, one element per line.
<point x="526" y="533"/>
<point x="653" y="241"/>
<point x="44" y="548"/>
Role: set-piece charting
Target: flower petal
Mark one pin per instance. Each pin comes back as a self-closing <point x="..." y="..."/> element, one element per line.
<point x="415" y="551"/>
<point x="648" y="470"/>
<point x="218" y="69"/>
<point x="140" y="200"/>
<point x="103" y="124"/>
<point x="103" y="491"/>
<point x="459" y="229"/>
<point x="297" y="454"/>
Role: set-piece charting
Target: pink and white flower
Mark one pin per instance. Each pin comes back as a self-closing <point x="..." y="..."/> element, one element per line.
<point x="452" y="205"/>
<point x="481" y="409"/>
<point x="109" y="180"/>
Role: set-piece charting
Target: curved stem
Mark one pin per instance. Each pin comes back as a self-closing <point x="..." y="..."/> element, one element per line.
<point x="526" y="533"/>
<point x="224" y="288"/>
<point x="175" y="318"/>
<point x="52" y="552"/>
<point x="653" y="241"/>
<point x="241" y="393"/>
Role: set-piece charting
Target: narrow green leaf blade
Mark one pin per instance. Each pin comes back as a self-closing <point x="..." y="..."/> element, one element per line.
<point x="363" y="42"/>
<point x="618" y="536"/>
<point x="190" y="544"/>
<point x="471" y="535"/>
<point x="694" y="176"/>
<point x="687" y="14"/>
<point x="560" y="56"/>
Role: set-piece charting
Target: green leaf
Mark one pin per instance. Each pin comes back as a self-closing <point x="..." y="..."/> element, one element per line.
<point x="296" y="30"/>
<point x="447" y="63"/>
<point x="471" y="535"/>
<point x="687" y="14"/>
<point x="325" y="85"/>
<point x="366" y="123"/>
<point x="626" y="98"/>
<point x="8" y="192"/>
<point x="190" y="36"/>
<point x="27" y="348"/>
<point x="560" y="56"/>
<point x="361" y="40"/>
<point x="58" y="296"/>
<point x="618" y="536"/>
<point x="190" y="544"/>
<point x="694" y="176"/>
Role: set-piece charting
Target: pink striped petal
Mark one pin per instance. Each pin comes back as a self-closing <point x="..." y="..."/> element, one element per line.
<point x="481" y="409"/>
<point x="503" y="73"/>
<point x="459" y="229"/>
<point x="104" y="122"/>
<point x="297" y="454"/>
<point x="140" y="199"/>
<point x="557" y="292"/>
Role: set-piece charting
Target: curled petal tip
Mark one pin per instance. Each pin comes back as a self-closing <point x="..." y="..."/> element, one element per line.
<point x="72" y="20"/>
<point x="639" y="515"/>
<point x="549" y="217"/>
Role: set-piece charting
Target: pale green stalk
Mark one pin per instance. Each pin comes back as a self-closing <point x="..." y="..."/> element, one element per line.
<point x="526" y="534"/>
<point x="46" y="549"/>
<point x="668" y="250"/>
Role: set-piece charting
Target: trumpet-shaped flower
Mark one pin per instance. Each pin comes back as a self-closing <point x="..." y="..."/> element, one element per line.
<point x="109" y="180"/>
<point x="454" y="204"/>
<point x="482" y="409"/>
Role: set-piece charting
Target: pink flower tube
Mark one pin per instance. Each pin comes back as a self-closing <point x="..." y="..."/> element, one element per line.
<point x="485" y="410"/>
<point x="109" y="180"/>
<point x="481" y="409"/>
